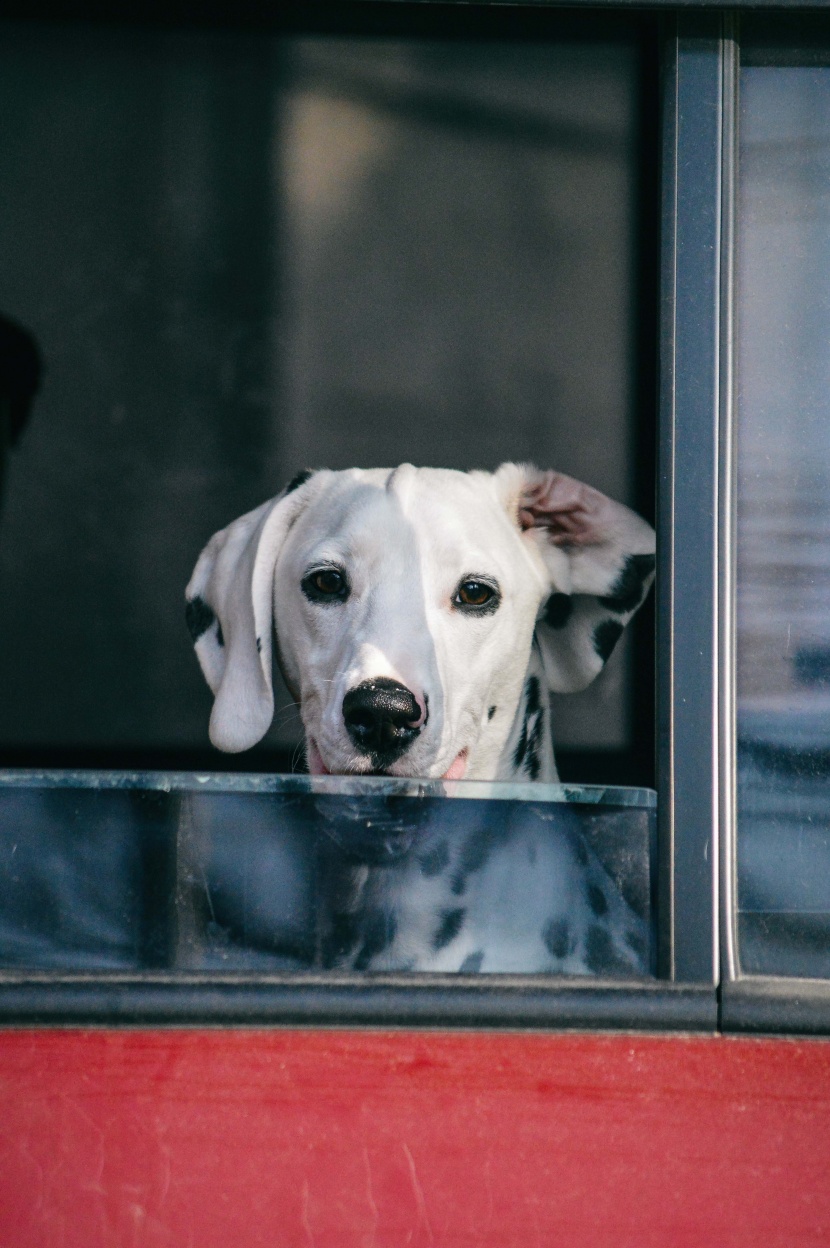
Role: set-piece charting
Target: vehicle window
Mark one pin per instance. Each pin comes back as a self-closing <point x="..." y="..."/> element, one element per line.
<point x="784" y="510"/>
<point x="240" y="257"/>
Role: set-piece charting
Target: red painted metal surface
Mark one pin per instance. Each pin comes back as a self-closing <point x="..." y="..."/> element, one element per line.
<point x="338" y="1139"/>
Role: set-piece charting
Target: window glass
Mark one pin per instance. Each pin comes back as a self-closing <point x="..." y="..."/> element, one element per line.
<point x="784" y="511"/>
<point x="241" y="255"/>
<point x="120" y="872"/>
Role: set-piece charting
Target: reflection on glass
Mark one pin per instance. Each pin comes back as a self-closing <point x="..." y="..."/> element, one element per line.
<point x="112" y="871"/>
<point x="784" y="521"/>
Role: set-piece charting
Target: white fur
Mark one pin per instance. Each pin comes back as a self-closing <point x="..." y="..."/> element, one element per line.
<point x="406" y="539"/>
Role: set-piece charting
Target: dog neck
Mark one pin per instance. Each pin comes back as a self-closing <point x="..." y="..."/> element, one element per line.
<point x="528" y="751"/>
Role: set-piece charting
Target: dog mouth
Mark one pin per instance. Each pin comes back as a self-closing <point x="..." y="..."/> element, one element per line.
<point x="458" y="768"/>
<point x="316" y="766"/>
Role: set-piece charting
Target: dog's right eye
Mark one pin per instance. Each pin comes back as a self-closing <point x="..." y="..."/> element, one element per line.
<point x="477" y="597"/>
<point x="325" y="585"/>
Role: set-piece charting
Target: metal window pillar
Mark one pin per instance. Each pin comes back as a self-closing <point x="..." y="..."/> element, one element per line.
<point x="694" y="766"/>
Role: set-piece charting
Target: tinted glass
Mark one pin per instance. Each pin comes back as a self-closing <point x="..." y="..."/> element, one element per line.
<point x="784" y="512"/>
<point x="242" y="255"/>
<point x="119" y="872"/>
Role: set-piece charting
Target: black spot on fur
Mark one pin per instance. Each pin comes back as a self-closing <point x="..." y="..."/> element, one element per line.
<point x="298" y="480"/>
<point x="637" y="943"/>
<point x="558" y="609"/>
<point x="601" y="956"/>
<point x="606" y="636"/>
<point x="476" y="850"/>
<point x="199" y="617"/>
<point x="472" y="963"/>
<point x="533" y="764"/>
<point x="532" y="695"/>
<point x="449" y="927"/>
<point x="526" y="754"/>
<point x="491" y="712"/>
<point x="522" y="744"/>
<point x="379" y="929"/>
<point x="597" y="900"/>
<point x="474" y="854"/>
<point x="220" y="636"/>
<point x="434" y="860"/>
<point x="259" y="645"/>
<point x="557" y="938"/>
<point x="627" y="591"/>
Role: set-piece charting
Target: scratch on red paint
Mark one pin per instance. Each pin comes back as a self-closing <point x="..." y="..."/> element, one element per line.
<point x="488" y="1183"/>
<point x="423" y="1216"/>
<point x="306" y="1223"/>
<point x="370" y="1196"/>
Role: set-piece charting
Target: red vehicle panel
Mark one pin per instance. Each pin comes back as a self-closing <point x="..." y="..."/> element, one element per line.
<point x="334" y="1138"/>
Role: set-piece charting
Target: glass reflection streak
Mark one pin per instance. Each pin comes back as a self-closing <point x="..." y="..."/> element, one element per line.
<point x="116" y="871"/>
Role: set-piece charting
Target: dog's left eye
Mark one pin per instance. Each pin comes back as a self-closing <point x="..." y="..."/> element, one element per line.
<point x="325" y="585"/>
<point x="477" y="596"/>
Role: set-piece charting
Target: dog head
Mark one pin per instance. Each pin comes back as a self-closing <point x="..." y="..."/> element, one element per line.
<point x="404" y="605"/>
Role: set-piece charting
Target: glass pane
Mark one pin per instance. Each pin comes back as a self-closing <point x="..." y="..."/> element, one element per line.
<point x="243" y="254"/>
<point x="784" y="515"/>
<point x="174" y="872"/>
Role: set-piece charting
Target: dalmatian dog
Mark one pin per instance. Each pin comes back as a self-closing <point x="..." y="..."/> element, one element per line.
<point x="420" y="618"/>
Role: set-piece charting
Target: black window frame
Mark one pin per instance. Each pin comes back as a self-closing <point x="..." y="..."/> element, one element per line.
<point x="698" y="987"/>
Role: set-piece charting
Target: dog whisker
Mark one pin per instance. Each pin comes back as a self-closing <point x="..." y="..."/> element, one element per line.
<point x="297" y="755"/>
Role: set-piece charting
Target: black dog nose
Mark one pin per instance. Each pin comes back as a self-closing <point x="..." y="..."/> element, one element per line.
<point x="382" y="717"/>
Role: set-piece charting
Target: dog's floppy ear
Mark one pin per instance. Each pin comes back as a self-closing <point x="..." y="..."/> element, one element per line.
<point x="230" y="612"/>
<point x="599" y="562"/>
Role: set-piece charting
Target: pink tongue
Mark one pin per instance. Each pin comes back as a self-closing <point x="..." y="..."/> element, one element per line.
<point x="456" y="772"/>
<point x="316" y="766"/>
